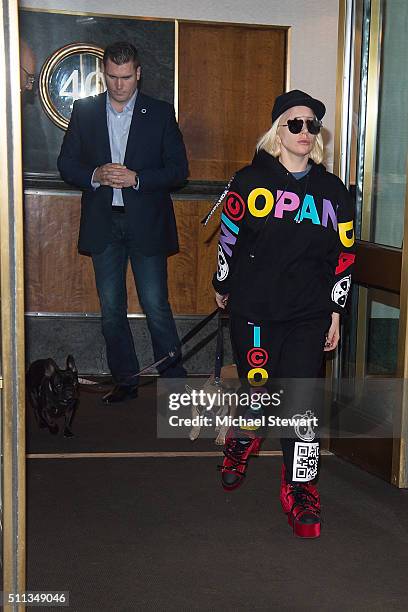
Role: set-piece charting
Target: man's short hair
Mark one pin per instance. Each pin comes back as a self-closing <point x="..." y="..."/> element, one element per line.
<point x="121" y="53"/>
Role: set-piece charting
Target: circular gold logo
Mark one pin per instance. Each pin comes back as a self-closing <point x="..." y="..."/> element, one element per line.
<point x="72" y="72"/>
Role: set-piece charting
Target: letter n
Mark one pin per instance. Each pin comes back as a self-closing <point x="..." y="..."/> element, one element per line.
<point x="328" y="211"/>
<point x="227" y="238"/>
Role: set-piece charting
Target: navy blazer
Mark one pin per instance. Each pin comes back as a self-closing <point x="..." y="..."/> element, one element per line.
<point x="155" y="150"/>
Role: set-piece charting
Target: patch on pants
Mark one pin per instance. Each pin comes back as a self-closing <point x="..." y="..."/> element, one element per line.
<point x="305" y="461"/>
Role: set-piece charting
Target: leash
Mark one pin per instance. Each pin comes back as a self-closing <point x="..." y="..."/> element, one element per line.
<point x="216" y="204"/>
<point x="219" y="352"/>
<point x="173" y="352"/>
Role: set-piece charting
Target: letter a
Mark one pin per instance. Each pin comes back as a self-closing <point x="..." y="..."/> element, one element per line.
<point x="308" y="210"/>
<point x="345" y="261"/>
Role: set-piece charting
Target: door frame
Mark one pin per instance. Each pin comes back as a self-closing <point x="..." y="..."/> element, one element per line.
<point x="12" y="365"/>
<point x="377" y="266"/>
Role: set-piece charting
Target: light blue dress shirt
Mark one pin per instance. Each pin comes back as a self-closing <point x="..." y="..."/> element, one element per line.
<point x="118" y="128"/>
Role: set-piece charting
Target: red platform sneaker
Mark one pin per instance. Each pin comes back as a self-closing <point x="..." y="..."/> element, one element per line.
<point x="237" y="452"/>
<point x="301" y="502"/>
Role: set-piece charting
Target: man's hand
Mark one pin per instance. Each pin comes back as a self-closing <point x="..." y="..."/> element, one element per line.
<point x="115" y="175"/>
<point x="128" y="178"/>
<point x="333" y="335"/>
<point x="221" y="300"/>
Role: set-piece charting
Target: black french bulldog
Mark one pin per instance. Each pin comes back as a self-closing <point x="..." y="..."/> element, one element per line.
<point x="53" y="393"/>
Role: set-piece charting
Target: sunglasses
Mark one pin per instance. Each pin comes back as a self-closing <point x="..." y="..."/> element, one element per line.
<point x="295" y="126"/>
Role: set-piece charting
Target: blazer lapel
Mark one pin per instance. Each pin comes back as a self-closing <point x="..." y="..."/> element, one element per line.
<point x="140" y="111"/>
<point x="101" y="129"/>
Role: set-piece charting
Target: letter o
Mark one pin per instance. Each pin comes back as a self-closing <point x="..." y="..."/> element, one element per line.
<point x="268" y="204"/>
<point x="251" y="377"/>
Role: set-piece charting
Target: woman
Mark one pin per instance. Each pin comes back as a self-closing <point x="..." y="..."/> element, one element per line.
<point x="284" y="262"/>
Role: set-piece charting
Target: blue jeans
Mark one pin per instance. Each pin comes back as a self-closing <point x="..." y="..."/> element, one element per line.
<point x="150" y="274"/>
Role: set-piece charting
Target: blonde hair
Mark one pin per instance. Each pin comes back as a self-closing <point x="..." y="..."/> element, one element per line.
<point x="270" y="142"/>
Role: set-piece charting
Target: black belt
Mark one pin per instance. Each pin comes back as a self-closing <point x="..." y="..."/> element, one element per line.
<point x="118" y="209"/>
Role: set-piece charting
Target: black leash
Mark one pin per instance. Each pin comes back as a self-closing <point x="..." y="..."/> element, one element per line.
<point x="172" y="353"/>
<point x="219" y="352"/>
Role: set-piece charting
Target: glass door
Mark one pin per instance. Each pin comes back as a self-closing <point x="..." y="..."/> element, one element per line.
<point x="372" y="153"/>
<point x="12" y="392"/>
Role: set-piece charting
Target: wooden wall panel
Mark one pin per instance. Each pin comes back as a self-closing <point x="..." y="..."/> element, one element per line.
<point x="191" y="270"/>
<point x="182" y="267"/>
<point x="229" y="77"/>
<point x="58" y="279"/>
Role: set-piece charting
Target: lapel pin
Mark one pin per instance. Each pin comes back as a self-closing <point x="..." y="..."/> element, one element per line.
<point x="144" y="110"/>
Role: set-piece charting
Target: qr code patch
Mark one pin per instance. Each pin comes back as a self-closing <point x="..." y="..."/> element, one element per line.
<point x="305" y="460"/>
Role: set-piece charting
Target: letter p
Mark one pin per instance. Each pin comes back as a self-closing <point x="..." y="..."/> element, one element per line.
<point x="285" y="200"/>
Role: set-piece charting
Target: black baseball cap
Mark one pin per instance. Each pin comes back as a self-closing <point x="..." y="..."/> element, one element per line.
<point x="297" y="98"/>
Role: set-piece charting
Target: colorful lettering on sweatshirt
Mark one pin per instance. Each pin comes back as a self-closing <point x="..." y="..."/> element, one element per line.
<point x="257" y="357"/>
<point x="260" y="203"/>
<point x="234" y="206"/>
<point x="345" y="261"/>
<point x="227" y="238"/>
<point x="285" y="201"/>
<point x="346" y="238"/>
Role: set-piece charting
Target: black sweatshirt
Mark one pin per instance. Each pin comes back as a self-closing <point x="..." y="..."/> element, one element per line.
<point x="286" y="246"/>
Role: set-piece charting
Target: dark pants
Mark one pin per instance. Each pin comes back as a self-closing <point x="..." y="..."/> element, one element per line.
<point x="150" y="274"/>
<point x="288" y="351"/>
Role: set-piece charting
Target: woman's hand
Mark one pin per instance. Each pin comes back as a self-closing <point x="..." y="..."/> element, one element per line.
<point x="333" y="335"/>
<point x="221" y="300"/>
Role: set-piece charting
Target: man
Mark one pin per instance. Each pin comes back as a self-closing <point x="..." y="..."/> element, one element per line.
<point x="27" y="67"/>
<point x="124" y="150"/>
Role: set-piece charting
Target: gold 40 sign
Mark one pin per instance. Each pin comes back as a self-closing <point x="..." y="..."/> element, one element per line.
<point x="72" y="72"/>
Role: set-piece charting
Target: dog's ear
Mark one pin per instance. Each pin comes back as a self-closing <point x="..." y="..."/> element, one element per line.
<point x="50" y="368"/>
<point x="71" y="364"/>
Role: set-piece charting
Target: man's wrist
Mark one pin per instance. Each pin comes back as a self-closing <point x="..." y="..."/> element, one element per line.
<point x="95" y="183"/>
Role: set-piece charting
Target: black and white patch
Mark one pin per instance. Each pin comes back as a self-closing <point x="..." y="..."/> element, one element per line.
<point x="340" y="290"/>
<point x="304" y="426"/>
<point x="223" y="267"/>
<point x="305" y="461"/>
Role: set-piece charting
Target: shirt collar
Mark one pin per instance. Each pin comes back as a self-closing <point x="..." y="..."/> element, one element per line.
<point x="129" y="106"/>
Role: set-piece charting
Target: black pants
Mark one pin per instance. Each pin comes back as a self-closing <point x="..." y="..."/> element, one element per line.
<point x="270" y="356"/>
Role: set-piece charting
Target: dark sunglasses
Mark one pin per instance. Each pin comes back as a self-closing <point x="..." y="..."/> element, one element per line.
<point x="295" y="126"/>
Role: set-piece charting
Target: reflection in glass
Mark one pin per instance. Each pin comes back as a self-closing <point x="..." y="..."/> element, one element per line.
<point x="77" y="76"/>
<point x="390" y="178"/>
<point x="382" y="339"/>
<point x="72" y="72"/>
<point x="380" y="334"/>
